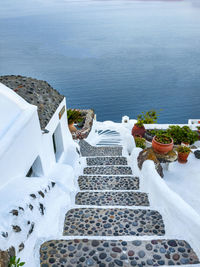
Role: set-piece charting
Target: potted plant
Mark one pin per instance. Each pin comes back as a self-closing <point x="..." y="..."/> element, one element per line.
<point x="162" y="143"/>
<point x="183" y="153"/>
<point x="138" y="129"/>
<point x="140" y="142"/>
<point x="145" y="118"/>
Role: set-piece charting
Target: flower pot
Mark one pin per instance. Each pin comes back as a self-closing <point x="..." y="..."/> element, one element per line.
<point x="72" y="128"/>
<point x="162" y="148"/>
<point x="140" y="131"/>
<point x="182" y="157"/>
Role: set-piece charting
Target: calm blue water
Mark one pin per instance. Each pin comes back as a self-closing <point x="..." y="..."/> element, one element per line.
<point x="118" y="57"/>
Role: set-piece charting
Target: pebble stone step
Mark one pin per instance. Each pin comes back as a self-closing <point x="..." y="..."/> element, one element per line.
<point x="111" y="253"/>
<point x="92" y="151"/>
<point x="106" y="161"/>
<point x="108" y="182"/>
<point x="108" y="170"/>
<point x="113" y="222"/>
<point x="112" y="198"/>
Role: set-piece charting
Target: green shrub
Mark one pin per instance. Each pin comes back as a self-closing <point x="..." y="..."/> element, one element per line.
<point x="140" y="142"/>
<point x="149" y="117"/>
<point x="14" y="262"/>
<point x="182" y="134"/>
<point x="74" y="116"/>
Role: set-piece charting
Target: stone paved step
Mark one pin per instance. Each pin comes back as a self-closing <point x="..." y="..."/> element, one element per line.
<point x="112" y="198"/>
<point x="110" y="253"/>
<point x="113" y="222"/>
<point x="98" y="182"/>
<point x="108" y="182"/>
<point x="106" y="161"/>
<point x="108" y="170"/>
<point x="92" y="151"/>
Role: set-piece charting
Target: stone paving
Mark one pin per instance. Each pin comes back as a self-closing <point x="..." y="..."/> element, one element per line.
<point x="112" y="198"/>
<point x="113" y="222"/>
<point x="112" y="173"/>
<point x="111" y="253"/>
<point x="106" y="161"/>
<point x="92" y="151"/>
<point x="108" y="170"/>
<point x="108" y="182"/>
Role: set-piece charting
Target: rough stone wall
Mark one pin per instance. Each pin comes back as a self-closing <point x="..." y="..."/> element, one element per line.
<point x="84" y="132"/>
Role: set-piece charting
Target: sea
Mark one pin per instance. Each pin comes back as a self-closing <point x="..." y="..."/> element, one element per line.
<point x="118" y="57"/>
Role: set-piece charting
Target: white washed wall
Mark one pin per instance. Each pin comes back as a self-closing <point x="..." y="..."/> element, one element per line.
<point x="24" y="142"/>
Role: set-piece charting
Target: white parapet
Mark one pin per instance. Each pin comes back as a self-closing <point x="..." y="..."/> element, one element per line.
<point x="194" y="121"/>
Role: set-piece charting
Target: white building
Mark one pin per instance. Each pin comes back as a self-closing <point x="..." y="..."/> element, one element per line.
<point x="37" y="154"/>
<point x="32" y="136"/>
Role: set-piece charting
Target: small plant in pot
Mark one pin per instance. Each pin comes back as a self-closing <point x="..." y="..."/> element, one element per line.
<point x="145" y="118"/>
<point x="183" y="153"/>
<point x="138" y="129"/>
<point x="162" y="144"/>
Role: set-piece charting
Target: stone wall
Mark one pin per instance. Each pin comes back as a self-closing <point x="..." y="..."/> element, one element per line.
<point x="84" y="132"/>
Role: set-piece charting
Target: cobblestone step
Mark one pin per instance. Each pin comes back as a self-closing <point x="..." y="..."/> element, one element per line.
<point x="108" y="182"/>
<point x="112" y="198"/>
<point x="111" y="253"/>
<point x="108" y="170"/>
<point x="107" y="161"/>
<point x="92" y="151"/>
<point x="113" y="222"/>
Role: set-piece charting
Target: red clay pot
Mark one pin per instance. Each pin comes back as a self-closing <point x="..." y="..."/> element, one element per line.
<point x="140" y="131"/>
<point x="162" y="148"/>
<point x="182" y="157"/>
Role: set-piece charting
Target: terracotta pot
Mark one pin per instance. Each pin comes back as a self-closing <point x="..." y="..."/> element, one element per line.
<point x="182" y="157"/>
<point x="72" y="128"/>
<point x="140" y="131"/>
<point x="162" y="148"/>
